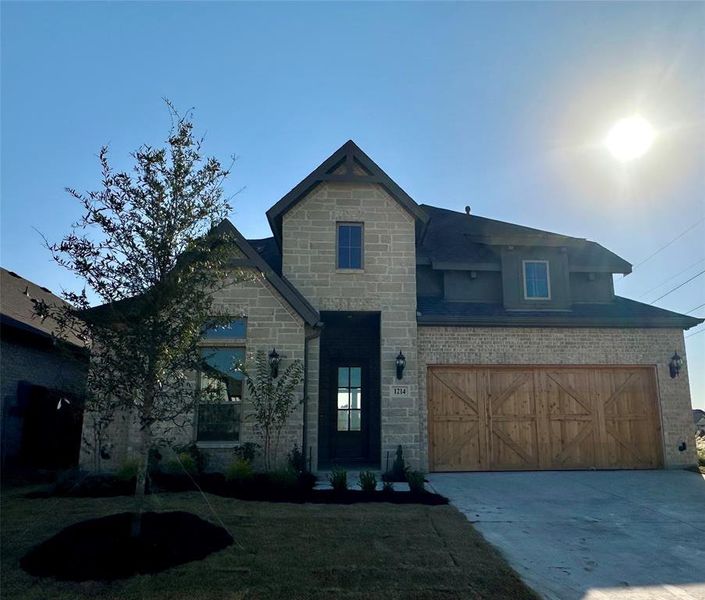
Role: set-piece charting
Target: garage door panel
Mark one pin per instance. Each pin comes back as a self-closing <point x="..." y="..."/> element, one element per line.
<point x="513" y="418"/>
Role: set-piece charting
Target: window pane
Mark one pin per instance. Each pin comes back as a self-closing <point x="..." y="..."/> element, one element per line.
<point x="355" y="373"/>
<point x="223" y="361"/>
<point x="343" y="420"/>
<point x="344" y="236"/>
<point x="536" y="279"/>
<point x="234" y="329"/>
<point x="354" y="420"/>
<point x="343" y="398"/>
<point x="343" y="377"/>
<point x="218" y="422"/>
<point x="356" y="236"/>
<point x="355" y="398"/>
<point x="356" y="258"/>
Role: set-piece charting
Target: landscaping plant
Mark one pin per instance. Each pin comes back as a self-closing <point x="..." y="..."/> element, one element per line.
<point x="368" y="481"/>
<point x="399" y="468"/>
<point x="273" y="400"/>
<point x="338" y="479"/>
<point x="416" y="481"/>
<point x="147" y="249"/>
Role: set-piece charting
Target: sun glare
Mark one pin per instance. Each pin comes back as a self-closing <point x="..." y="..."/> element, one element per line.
<point x="630" y="138"/>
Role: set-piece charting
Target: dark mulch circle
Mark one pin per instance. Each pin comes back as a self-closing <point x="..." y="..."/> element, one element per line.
<point x="103" y="549"/>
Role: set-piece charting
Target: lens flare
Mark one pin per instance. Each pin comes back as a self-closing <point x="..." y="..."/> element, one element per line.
<point x="630" y="138"/>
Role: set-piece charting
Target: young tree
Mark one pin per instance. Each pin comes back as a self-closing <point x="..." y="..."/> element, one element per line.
<point x="273" y="402"/>
<point x="148" y="247"/>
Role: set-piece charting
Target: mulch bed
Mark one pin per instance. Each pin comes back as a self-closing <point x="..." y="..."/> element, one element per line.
<point x="260" y="487"/>
<point x="102" y="549"/>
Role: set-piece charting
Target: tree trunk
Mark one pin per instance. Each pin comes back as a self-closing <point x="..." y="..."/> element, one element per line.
<point x="141" y="483"/>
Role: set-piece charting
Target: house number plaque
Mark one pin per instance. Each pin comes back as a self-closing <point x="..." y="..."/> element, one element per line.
<point x="400" y="391"/>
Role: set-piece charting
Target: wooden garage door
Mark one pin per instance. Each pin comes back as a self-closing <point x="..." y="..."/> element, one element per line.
<point x="513" y="418"/>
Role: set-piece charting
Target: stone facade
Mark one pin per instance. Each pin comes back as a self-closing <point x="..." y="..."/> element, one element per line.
<point x="386" y="284"/>
<point x="568" y="346"/>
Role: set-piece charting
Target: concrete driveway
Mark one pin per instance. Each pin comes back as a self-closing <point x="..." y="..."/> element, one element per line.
<point x="592" y="535"/>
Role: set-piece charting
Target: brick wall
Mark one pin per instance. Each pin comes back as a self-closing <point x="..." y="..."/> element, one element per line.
<point x="387" y="284"/>
<point x="563" y="346"/>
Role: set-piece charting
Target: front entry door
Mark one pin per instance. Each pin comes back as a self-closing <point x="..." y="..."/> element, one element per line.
<point x="349" y="410"/>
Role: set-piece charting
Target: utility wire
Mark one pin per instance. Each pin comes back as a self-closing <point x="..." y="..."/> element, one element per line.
<point x="675" y="239"/>
<point x="694" y="334"/>
<point x="678" y="287"/>
<point x="671" y="278"/>
<point x="694" y="309"/>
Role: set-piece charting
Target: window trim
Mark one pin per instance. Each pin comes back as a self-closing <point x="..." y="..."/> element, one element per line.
<point x="338" y="268"/>
<point x="548" y="280"/>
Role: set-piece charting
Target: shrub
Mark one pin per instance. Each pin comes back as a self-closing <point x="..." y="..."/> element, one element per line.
<point x="196" y="460"/>
<point x="128" y="469"/>
<point x="297" y="460"/>
<point x="338" y="479"/>
<point x="399" y="468"/>
<point x="239" y="470"/>
<point x="183" y="463"/>
<point x="307" y="481"/>
<point x="246" y="451"/>
<point x="387" y="487"/>
<point x="284" y="478"/>
<point x="368" y="481"/>
<point x="416" y="481"/>
<point x="700" y="447"/>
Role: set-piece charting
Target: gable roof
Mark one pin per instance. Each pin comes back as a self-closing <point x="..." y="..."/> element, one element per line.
<point x="453" y="240"/>
<point x="295" y="299"/>
<point x="347" y="164"/>
<point x="251" y="259"/>
<point x="17" y="308"/>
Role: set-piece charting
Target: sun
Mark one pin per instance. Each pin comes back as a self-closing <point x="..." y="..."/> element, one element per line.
<point x="630" y="138"/>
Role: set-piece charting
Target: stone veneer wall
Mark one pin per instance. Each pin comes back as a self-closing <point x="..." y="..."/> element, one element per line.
<point x="386" y="284"/>
<point x="564" y="346"/>
<point x="271" y="322"/>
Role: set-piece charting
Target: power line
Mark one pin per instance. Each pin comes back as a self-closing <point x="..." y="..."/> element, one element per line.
<point x="694" y="334"/>
<point x="665" y="281"/>
<point x="694" y="309"/>
<point x="675" y="239"/>
<point x="678" y="287"/>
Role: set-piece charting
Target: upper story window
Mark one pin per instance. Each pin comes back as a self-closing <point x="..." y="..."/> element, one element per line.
<point x="536" y="280"/>
<point x="350" y="245"/>
<point x="236" y="329"/>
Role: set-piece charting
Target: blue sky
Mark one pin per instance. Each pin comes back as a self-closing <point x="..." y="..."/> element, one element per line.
<point x="499" y="106"/>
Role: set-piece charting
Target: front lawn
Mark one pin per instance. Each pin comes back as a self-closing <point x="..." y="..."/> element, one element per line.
<point x="280" y="551"/>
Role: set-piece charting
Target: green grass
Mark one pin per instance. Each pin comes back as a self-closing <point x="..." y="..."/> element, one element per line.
<point x="280" y="551"/>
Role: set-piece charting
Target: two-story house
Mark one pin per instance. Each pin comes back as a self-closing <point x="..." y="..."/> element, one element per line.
<point x="472" y="343"/>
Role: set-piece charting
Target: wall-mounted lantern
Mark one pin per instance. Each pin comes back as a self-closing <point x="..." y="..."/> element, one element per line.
<point x="675" y="365"/>
<point x="274" y="360"/>
<point x="401" y="363"/>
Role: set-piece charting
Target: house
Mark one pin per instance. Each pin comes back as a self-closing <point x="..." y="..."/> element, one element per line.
<point x="42" y="382"/>
<point x="472" y="343"/>
<point x="699" y="420"/>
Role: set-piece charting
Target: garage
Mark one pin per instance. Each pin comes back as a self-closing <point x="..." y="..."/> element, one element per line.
<point x="501" y="418"/>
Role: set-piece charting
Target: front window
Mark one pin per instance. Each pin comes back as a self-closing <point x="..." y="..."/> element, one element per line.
<point x="349" y="398"/>
<point x="350" y="245"/>
<point x="221" y="386"/>
<point x="536" y="280"/>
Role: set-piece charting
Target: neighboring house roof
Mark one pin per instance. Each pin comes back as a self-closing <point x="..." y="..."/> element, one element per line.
<point x="17" y="308"/>
<point x="347" y="164"/>
<point x="458" y="240"/>
<point x="267" y="248"/>
<point x="622" y="312"/>
<point x="698" y="416"/>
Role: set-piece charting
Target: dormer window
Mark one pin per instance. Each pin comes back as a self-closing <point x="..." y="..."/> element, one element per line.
<point x="537" y="284"/>
<point x="350" y="245"/>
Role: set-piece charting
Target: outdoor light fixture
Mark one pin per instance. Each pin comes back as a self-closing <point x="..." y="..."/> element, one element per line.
<point x="401" y="363"/>
<point x="675" y="365"/>
<point x="274" y="361"/>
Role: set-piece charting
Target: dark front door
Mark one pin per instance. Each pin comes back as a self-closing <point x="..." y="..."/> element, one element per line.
<point x="349" y="390"/>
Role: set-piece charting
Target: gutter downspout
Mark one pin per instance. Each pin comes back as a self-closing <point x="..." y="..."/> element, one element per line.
<point x="307" y="338"/>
